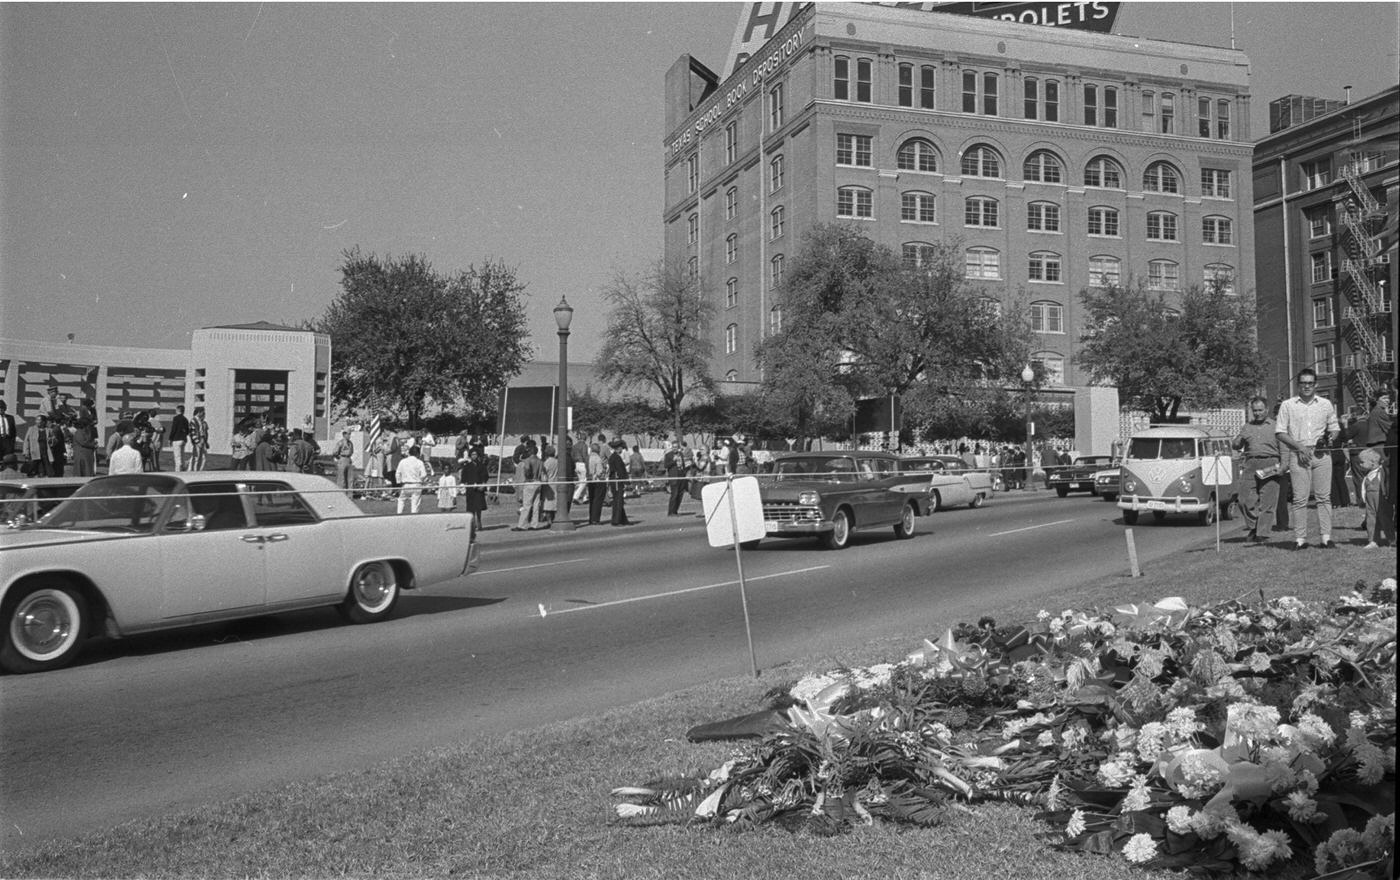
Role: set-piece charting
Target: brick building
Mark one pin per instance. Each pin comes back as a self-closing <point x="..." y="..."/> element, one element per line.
<point x="1058" y="158"/>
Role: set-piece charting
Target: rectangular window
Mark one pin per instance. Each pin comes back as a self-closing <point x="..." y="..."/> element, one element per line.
<point x="1217" y="230"/>
<point x="1324" y="359"/>
<point x="1052" y="101"/>
<point x="1110" y="107"/>
<point x="1104" y="271"/>
<point x="1215" y="183"/>
<point x="983" y="263"/>
<point x="1222" y="120"/>
<point x="981" y="212"/>
<point x="731" y="142"/>
<point x="1316" y="174"/>
<point x="863" y="80"/>
<point x="841" y="85"/>
<point x="1043" y="217"/>
<point x="776" y="225"/>
<point x="1091" y="105"/>
<point x="1322" y="267"/>
<point x="775" y="173"/>
<point x="854" y="201"/>
<point x="775" y="107"/>
<point x="1324" y="315"/>
<point x="1203" y="117"/>
<point x="731" y="339"/>
<point x="1044" y="268"/>
<point x="1047" y="318"/>
<point x="1168" y="114"/>
<point x="969" y="91"/>
<point x="692" y="173"/>
<point x="1032" y="99"/>
<point x="926" y="91"/>
<point x="1149" y="111"/>
<point x="1319" y="222"/>
<point x="853" y="149"/>
<point x="916" y="208"/>
<point x="989" y="94"/>
<point x="1163" y="275"/>
<point x="1103" y="221"/>
<point x="906" y="85"/>
<point x="1161" y="226"/>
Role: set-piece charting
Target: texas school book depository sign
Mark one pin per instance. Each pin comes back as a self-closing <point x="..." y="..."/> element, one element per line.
<point x="758" y="22"/>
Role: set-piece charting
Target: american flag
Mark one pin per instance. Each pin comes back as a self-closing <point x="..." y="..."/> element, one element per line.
<point x="374" y="431"/>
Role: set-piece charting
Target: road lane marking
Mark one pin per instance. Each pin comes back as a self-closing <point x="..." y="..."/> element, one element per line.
<point x="1058" y="522"/>
<point x="537" y="565"/>
<point x="763" y="577"/>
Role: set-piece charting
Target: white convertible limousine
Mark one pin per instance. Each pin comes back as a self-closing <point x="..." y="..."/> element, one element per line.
<point x="141" y="552"/>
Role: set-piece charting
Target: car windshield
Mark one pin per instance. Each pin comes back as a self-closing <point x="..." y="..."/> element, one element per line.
<point x="925" y="464"/>
<point x="838" y="468"/>
<point x="130" y="504"/>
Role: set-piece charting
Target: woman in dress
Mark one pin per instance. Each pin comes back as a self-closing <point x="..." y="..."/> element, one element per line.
<point x="374" y="467"/>
<point x="475" y="478"/>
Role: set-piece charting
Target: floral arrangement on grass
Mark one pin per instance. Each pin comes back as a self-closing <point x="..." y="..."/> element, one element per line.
<point x="1246" y="735"/>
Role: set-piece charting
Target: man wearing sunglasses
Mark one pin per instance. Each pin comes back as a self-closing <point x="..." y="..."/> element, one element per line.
<point x="1304" y="423"/>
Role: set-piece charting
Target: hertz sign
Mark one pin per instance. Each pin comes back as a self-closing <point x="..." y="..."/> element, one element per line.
<point x="758" y="22"/>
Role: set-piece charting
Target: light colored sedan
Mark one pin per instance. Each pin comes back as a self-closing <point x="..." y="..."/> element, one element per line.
<point x="951" y="481"/>
<point x="136" y="553"/>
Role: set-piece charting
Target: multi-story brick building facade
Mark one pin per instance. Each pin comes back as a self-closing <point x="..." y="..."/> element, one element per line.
<point x="1327" y="208"/>
<point x="1057" y="158"/>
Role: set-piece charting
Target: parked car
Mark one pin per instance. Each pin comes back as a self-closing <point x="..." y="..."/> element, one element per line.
<point x="1106" y="482"/>
<point x="947" y="481"/>
<point x="25" y="499"/>
<point x="1079" y="475"/>
<point x="1163" y="473"/>
<point x="829" y="495"/>
<point x="136" y="553"/>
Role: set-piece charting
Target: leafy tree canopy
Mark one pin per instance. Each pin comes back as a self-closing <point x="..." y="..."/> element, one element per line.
<point x="405" y="337"/>
<point x="657" y="337"/>
<point x="1205" y="355"/>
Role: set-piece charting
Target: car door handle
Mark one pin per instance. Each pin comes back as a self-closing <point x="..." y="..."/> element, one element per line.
<point x="253" y="539"/>
<point x="276" y="537"/>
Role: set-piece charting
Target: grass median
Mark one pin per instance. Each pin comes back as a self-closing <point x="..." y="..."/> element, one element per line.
<point x="535" y="804"/>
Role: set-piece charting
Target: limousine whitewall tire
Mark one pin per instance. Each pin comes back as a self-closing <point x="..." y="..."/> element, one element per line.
<point x="905" y="527"/>
<point x="374" y="591"/>
<point x="840" y="535"/>
<point x="46" y="622"/>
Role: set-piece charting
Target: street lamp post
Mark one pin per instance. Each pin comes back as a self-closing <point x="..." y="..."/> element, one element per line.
<point x="563" y="315"/>
<point x="1028" y="377"/>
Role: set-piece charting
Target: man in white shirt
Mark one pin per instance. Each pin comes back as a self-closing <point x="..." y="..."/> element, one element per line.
<point x="126" y="459"/>
<point x="411" y="474"/>
<point x="1303" y="423"/>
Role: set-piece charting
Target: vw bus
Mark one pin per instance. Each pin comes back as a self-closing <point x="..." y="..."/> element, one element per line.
<point x="1162" y="473"/>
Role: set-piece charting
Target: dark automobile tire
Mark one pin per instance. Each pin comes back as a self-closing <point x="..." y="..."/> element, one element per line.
<point x="1207" y="517"/>
<point x="840" y="535"/>
<point x="1159" y="515"/>
<point x="905" y="527"/>
<point x="46" y="622"/>
<point x="1130" y="517"/>
<point x="1062" y="491"/>
<point x="1094" y="492"/>
<point x="977" y="501"/>
<point x="374" y="591"/>
<point x="751" y="545"/>
<point x="936" y="504"/>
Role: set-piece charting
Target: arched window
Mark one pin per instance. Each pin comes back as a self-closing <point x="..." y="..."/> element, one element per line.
<point x="1047" y="316"/>
<point x="1104" y="173"/>
<point x="1105" y="271"/>
<point x="1217" y="230"/>
<point x="1161" y="177"/>
<point x="731" y="293"/>
<point x="731" y="202"/>
<point x="731" y="339"/>
<point x="731" y="376"/>
<point x="1043" y="217"/>
<point x="775" y="173"/>
<point x="777" y="217"/>
<point x="775" y="271"/>
<point x="1044" y="267"/>
<point x="1103" y="221"/>
<point x="916" y="154"/>
<point x="918" y="254"/>
<point x="854" y="202"/>
<point x="1052" y="366"/>
<point x="981" y="161"/>
<point x="1043" y="166"/>
<point x="692" y="224"/>
<point x="731" y="247"/>
<point x="917" y="207"/>
<point x="692" y="267"/>
<point x="980" y="211"/>
<point x="775" y="320"/>
<point x="1161" y="226"/>
<point x="1163" y="275"/>
<point x="1220" y="276"/>
<point x="982" y="262"/>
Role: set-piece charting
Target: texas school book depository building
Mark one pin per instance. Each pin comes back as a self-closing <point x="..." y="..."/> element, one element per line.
<point x="1060" y="157"/>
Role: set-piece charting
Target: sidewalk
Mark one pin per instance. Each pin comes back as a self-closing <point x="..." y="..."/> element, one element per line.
<point x="647" y="514"/>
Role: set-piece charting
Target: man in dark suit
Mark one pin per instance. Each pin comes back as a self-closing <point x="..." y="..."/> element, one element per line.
<point x="7" y="431"/>
<point x="617" y="475"/>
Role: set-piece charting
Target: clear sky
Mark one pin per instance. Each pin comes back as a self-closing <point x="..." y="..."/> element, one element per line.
<point x="170" y="167"/>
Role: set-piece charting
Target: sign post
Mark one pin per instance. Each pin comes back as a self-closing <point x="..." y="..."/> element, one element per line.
<point x="733" y="515"/>
<point x="1217" y="472"/>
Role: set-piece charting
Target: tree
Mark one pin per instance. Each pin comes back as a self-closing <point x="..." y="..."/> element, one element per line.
<point x="858" y="322"/>
<point x="657" y="337"/>
<point x="405" y="338"/>
<point x="1206" y="355"/>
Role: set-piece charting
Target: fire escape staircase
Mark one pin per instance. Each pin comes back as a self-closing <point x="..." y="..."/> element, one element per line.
<point x="1365" y="301"/>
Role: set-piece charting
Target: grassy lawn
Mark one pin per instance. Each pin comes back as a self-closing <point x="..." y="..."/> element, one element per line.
<point x="535" y="804"/>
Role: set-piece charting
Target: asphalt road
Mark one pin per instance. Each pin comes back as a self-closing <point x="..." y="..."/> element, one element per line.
<point x="553" y="626"/>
